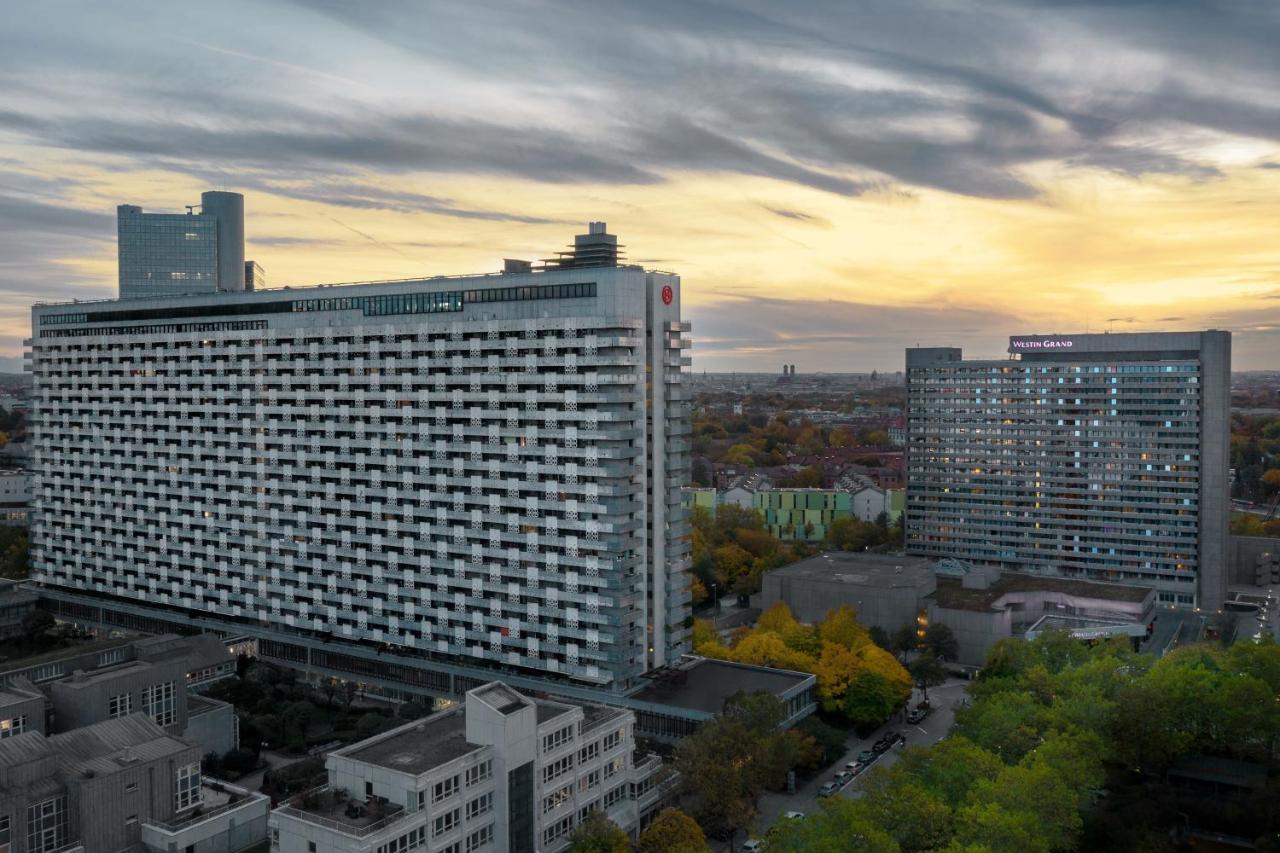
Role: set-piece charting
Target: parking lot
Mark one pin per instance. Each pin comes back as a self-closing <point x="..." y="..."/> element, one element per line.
<point x="931" y="730"/>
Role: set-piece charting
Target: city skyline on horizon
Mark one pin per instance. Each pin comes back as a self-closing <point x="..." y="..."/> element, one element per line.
<point x="831" y="188"/>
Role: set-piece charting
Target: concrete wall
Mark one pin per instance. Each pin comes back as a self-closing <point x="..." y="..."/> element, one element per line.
<point x="1255" y="560"/>
<point x="810" y="599"/>
<point x="31" y="707"/>
<point x="79" y="703"/>
<point x="1215" y="461"/>
<point x="213" y="728"/>
<point x="100" y="806"/>
<point x="976" y="631"/>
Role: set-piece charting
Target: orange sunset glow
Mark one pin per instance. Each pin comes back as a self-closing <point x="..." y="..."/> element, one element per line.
<point x="831" y="187"/>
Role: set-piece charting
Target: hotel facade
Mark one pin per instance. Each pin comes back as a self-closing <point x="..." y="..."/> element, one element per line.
<point x="478" y="474"/>
<point x="1100" y="457"/>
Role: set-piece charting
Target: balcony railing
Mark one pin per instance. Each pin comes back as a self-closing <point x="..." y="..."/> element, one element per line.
<point x="347" y="826"/>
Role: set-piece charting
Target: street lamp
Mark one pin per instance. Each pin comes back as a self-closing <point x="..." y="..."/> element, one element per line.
<point x="715" y="597"/>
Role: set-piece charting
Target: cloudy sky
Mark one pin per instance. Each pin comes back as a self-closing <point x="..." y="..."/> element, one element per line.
<point x="833" y="180"/>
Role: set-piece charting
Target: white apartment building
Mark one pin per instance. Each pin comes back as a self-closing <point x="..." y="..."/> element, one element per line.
<point x="471" y="475"/>
<point x="502" y="773"/>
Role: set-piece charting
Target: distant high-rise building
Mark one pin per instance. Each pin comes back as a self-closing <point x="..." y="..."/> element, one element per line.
<point x="255" y="277"/>
<point x="474" y="474"/>
<point x="172" y="254"/>
<point x="1102" y="457"/>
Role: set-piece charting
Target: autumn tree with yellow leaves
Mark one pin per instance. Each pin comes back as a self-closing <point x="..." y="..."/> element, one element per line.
<point x="856" y="678"/>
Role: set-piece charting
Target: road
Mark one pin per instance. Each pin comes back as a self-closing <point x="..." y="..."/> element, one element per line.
<point x="805" y="799"/>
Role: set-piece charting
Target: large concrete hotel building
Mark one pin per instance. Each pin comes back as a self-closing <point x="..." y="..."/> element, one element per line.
<point x="1102" y="457"/>
<point x="441" y="480"/>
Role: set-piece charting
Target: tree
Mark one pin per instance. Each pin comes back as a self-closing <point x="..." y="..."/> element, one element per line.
<point x="941" y="640"/>
<point x="1271" y="481"/>
<point x="597" y="834"/>
<point x="728" y="763"/>
<point x="842" y="826"/>
<point x="36" y="623"/>
<point x="869" y="699"/>
<point x="829" y="739"/>
<point x="927" y="672"/>
<point x="841" y="627"/>
<point x="880" y="637"/>
<point x="673" y="831"/>
<point x="951" y="767"/>
<point x="905" y="639"/>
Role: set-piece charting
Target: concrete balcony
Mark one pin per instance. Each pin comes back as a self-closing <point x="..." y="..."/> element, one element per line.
<point x="229" y="819"/>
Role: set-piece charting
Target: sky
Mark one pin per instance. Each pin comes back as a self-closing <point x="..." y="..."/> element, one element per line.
<point x="833" y="180"/>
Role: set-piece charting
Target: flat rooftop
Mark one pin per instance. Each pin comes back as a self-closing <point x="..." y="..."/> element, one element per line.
<point x="704" y="684"/>
<point x="951" y="595"/>
<point x="550" y="710"/>
<point x="419" y="746"/>
<point x="858" y="567"/>
<point x="594" y="716"/>
<point x="77" y="681"/>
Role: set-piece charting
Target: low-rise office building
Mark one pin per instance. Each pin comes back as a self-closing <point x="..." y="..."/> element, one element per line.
<point x="121" y="784"/>
<point x="981" y="605"/>
<point x="502" y="772"/>
<point x="155" y="676"/>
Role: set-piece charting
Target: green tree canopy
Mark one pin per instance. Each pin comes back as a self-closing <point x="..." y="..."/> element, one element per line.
<point x="597" y="834"/>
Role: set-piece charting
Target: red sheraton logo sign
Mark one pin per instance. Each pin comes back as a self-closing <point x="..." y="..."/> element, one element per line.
<point x="667" y="294"/>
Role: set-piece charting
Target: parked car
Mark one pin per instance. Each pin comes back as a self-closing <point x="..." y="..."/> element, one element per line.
<point x="751" y="845"/>
<point x="866" y="757"/>
<point x="881" y="746"/>
<point x="828" y="789"/>
<point x="853" y="767"/>
<point x="793" y="815"/>
<point x="843" y="776"/>
<point x="917" y="715"/>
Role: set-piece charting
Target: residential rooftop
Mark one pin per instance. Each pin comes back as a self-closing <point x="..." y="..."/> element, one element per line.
<point x="113" y="745"/>
<point x="550" y="710"/>
<point x="703" y="684"/>
<point x="858" y="567"/>
<point x="418" y="746"/>
<point x="952" y="595"/>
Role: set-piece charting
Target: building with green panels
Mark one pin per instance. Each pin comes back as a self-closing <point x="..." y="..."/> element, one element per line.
<point x="802" y="514"/>
<point x="705" y="498"/>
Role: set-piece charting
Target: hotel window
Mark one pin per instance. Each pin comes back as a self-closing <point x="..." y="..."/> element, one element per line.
<point x="479" y="839"/>
<point x="480" y="805"/>
<point x="557" y="739"/>
<point x="446" y="822"/>
<point x="557" y="768"/>
<point x="47" y="825"/>
<point x="119" y="706"/>
<point x="158" y="702"/>
<point x="443" y="789"/>
<point x="612" y="739"/>
<point x="13" y="726"/>
<point x="479" y="773"/>
<point x="557" y="798"/>
<point x="187" y="791"/>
